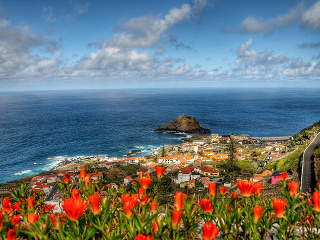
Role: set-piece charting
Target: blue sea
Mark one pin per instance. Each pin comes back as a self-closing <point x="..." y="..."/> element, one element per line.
<point x="35" y="126"/>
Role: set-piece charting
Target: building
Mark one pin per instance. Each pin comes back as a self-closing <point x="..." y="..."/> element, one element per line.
<point x="184" y="175"/>
<point x="40" y="186"/>
<point x="127" y="180"/>
<point x="52" y="178"/>
<point x="275" y="177"/>
<point x="209" y="171"/>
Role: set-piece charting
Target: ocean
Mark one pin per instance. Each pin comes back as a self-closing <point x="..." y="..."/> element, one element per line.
<point x="35" y="126"/>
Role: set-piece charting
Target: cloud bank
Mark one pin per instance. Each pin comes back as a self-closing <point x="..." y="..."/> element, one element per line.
<point x="307" y="18"/>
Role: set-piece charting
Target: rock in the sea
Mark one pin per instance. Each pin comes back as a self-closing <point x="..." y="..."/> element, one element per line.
<point x="185" y="124"/>
<point x="133" y="152"/>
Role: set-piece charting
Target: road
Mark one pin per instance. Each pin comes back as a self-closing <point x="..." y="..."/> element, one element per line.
<point x="308" y="176"/>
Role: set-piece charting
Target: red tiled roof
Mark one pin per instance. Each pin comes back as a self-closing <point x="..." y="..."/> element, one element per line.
<point x="187" y="170"/>
<point x="52" y="175"/>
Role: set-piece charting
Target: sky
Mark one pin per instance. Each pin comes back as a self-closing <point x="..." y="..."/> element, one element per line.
<point x="105" y="44"/>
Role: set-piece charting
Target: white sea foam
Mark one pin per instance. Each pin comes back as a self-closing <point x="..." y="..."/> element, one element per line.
<point x="23" y="172"/>
<point x="55" y="157"/>
<point x="140" y="147"/>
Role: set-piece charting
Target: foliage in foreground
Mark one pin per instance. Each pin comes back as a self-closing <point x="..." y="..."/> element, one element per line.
<point x="136" y="215"/>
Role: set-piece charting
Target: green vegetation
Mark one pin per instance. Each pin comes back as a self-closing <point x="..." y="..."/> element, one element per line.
<point x="163" y="152"/>
<point x="317" y="152"/>
<point x="248" y="165"/>
<point x="130" y="170"/>
<point x="231" y="167"/>
<point x="289" y="162"/>
<point x="300" y="142"/>
<point x="304" y="135"/>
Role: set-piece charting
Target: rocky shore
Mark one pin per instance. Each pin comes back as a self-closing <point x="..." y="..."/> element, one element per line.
<point x="185" y="124"/>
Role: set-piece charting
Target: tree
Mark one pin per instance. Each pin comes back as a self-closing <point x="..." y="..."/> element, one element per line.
<point x="163" y="153"/>
<point x="231" y="167"/>
<point x="232" y="150"/>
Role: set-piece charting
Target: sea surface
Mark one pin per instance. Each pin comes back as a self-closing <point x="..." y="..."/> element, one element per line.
<point x="35" y="126"/>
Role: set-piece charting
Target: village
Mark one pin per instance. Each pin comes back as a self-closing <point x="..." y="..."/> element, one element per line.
<point x="190" y="167"/>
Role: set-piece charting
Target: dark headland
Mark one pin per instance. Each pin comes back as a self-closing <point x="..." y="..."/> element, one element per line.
<point x="184" y="123"/>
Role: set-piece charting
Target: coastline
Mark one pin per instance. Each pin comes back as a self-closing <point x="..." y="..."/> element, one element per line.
<point x="64" y="162"/>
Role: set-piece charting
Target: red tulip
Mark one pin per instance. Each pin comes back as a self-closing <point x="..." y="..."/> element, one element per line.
<point x="154" y="207"/>
<point x="16" y="206"/>
<point x="144" y="200"/>
<point x="223" y="190"/>
<point x="215" y="232"/>
<point x="32" y="217"/>
<point x="54" y="221"/>
<point x="257" y="213"/>
<point x="6" y="205"/>
<point x="160" y="171"/>
<point x="140" y="174"/>
<point x="141" y="192"/>
<point x="94" y="201"/>
<point x="178" y="203"/>
<point x="75" y="193"/>
<point x="15" y="219"/>
<point x="74" y="207"/>
<point x="206" y="205"/>
<point x="212" y="189"/>
<point x="11" y="234"/>
<point x="83" y="173"/>
<point x="176" y="215"/>
<point x="148" y="174"/>
<point x="129" y="202"/>
<point x="284" y="176"/>
<point x="155" y="227"/>
<point x="143" y="237"/>
<point x="209" y="231"/>
<point x="145" y="182"/>
<point x="316" y="201"/>
<point x="234" y="195"/>
<point x="293" y="186"/>
<point x="246" y="187"/>
<point x="30" y="202"/>
<point x="258" y="188"/>
<point x="278" y="205"/>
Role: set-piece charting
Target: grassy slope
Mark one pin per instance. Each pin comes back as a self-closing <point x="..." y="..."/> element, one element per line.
<point x="293" y="160"/>
<point x="289" y="162"/>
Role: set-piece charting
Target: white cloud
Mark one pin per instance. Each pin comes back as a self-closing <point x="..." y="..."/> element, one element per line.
<point x="16" y="49"/>
<point x="252" y="25"/>
<point x="114" y="61"/>
<point x="248" y="57"/>
<point x="182" y="70"/>
<point x="311" y="17"/>
<point x="298" y="68"/>
<point x="147" y="30"/>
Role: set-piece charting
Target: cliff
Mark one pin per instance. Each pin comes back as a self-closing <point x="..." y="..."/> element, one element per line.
<point x="185" y="124"/>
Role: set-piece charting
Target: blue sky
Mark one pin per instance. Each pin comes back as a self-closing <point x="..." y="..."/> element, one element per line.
<point x="70" y="44"/>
